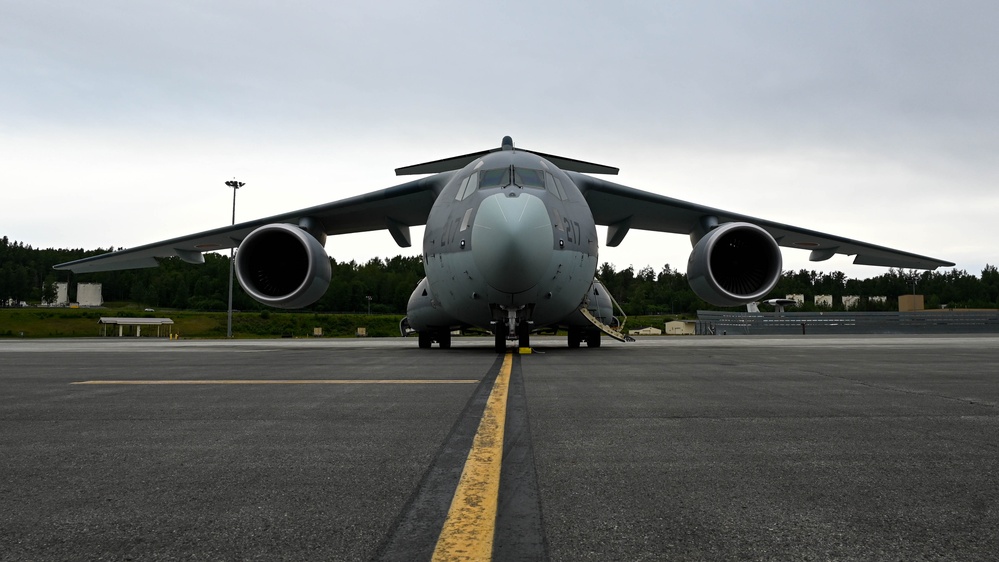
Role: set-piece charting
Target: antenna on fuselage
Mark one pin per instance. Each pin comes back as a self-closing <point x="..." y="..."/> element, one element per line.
<point x="507" y="143"/>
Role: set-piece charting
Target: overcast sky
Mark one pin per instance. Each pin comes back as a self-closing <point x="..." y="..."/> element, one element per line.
<point x="120" y="121"/>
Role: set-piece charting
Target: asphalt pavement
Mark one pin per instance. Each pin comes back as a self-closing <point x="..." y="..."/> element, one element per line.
<point x="670" y="448"/>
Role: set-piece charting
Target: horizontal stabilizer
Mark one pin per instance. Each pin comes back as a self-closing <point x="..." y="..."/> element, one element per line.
<point x="443" y="165"/>
<point x="458" y="162"/>
<point x="572" y="165"/>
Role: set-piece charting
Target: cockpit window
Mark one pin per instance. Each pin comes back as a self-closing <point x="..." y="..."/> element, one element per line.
<point x="554" y="186"/>
<point x="467" y="187"/>
<point x="461" y="190"/>
<point x="500" y="177"/>
<point x="526" y="177"/>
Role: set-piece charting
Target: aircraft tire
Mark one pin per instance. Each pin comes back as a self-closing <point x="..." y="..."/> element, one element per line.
<point x="500" y="338"/>
<point x="444" y="339"/>
<point x="524" y="334"/>
<point x="574" y="338"/>
<point x="425" y="339"/>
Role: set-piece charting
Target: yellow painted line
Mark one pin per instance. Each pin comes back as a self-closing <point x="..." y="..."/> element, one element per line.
<point x="471" y="521"/>
<point x="289" y="381"/>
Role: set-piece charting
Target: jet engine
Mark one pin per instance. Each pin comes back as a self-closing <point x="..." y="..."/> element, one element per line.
<point x="283" y="266"/>
<point x="733" y="264"/>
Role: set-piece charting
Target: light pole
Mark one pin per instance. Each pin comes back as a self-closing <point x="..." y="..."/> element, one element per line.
<point x="235" y="185"/>
<point x="369" y="304"/>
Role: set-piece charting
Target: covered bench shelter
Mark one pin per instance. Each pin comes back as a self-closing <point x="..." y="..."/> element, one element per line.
<point x="137" y="323"/>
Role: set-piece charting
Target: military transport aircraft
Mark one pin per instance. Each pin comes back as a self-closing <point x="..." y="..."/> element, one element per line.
<point x="510" y="246"/>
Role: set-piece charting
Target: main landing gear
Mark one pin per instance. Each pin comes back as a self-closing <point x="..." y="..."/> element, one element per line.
<point x="428" y="337"/>
<point x="579" y="335"/>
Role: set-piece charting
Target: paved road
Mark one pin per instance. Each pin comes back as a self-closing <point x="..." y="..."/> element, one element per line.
<point x="748" y="448"/>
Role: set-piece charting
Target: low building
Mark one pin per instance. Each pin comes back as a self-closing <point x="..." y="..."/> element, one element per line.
<point x="62" y="295"/>
<point x="681" y="328"/>
<point x="89" y="294"/>
<point x="648" y="331"/>
<point x="910" y="303"/>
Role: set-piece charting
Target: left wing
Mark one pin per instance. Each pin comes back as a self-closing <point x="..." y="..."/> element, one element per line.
<point x="622" y="208"/>
<point x="395" y="208"/>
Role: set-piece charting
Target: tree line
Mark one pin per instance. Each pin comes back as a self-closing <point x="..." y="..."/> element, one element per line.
<point x="667" y="292"/>
<point x="26" y="275"/>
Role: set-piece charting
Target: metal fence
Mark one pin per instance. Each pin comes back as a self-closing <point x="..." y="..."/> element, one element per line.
<point x="710" y="322"/>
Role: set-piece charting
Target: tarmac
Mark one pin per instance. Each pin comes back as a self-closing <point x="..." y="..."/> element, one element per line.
<point x="668" y="448"/>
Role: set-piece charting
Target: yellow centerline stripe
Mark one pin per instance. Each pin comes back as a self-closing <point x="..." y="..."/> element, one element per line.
<point x="471" y="521"/>
<point x="288" y="381"/>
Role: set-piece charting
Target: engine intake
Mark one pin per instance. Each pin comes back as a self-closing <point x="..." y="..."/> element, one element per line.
<point x="734" y="264"/>
<point x="283" y="266"/>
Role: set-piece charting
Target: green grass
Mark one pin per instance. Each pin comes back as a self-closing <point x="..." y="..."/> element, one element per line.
<point x="77" y="323"/>
<point x="83" y="323"/>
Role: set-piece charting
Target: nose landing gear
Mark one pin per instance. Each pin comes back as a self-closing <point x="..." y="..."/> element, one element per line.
<point x="513" y="328"/>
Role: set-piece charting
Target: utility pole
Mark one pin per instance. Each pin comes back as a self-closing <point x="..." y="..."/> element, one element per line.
<point x="369" y="304"/>
<point x="235" y="185"/>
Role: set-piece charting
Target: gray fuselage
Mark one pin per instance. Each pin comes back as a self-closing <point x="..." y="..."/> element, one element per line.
<point x="509" y="240"/>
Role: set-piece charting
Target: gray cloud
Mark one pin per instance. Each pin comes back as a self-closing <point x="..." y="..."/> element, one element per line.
<point x="904" y="93"/>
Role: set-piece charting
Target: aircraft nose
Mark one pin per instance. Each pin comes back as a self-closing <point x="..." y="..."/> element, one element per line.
<point x="513" y="241"/>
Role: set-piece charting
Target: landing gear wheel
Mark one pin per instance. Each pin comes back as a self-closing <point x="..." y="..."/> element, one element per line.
<point x="425" y="339"/>
<point x="500" y="338"/>
<point x="524" y="334"/>
<point x="444" y="339"/>
<point x="575" y="337"/>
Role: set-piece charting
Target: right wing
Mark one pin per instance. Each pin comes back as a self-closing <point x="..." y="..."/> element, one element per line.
<point x="395" y="208"/>
<point x="622" y="208"/>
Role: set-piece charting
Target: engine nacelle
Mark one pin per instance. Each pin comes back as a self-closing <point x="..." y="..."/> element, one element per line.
<point x="734" y="264"/>
<point x="283" y="266"/>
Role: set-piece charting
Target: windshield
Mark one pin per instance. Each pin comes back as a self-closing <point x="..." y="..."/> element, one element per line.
<point x="526" y="177"/>
<point x="500" y="177"/>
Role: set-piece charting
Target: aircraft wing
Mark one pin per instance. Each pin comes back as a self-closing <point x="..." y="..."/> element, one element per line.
<point x="621" y="208"/>
<point x="395" y="208"/>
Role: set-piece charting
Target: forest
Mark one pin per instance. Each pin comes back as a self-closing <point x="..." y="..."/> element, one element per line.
<point x="26" y="275"/>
